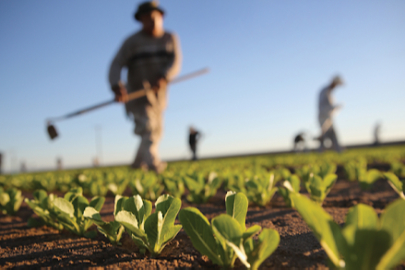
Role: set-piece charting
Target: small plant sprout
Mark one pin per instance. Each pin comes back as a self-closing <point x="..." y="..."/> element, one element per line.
<point x="396" y="184"/>
<point x="10" y="200"/>
<point x="365" y="241"/>
<point x="260" y="190"/>
<point x="150" y="232"/>
<point x="201" y="190"/>
<point x="319" y="187"/>
<point x="292" y="182"/>
<point x="227" y="238"/>
<point x="112" y="230"/>
<point x="69" y="212"/>
<point x="367" y="178"/>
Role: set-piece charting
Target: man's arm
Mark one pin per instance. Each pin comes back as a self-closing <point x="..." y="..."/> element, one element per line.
<point x="114" y="77"/>
<point x="173" y="68"/>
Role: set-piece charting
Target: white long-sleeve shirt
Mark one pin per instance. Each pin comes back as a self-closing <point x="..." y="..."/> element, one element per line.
<point x="326" y="108"/>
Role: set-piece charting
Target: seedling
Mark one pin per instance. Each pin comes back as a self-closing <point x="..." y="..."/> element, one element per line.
<point x="201" y="190"/>
<point x="367" y="178"/>
<point x="260" y="189"/>
<point x="42" y="205"/>
<point x="398" y="168"/>
<point x="365" y="242"/>
<point x="174" y="186"/>
<point x="112" y="230"/>
<point x="147" y="185"/>
<point x="396" y="184"/>
<point x="318" y="187"/>
<point x="295" y="183"/>
<point x="69" y="212"/>
<point x="227" y="238"/>
<point x="355" y="168"/>
<point x="10" y="200"/>
<point x="118" y="187"/>
<point x="150" y="232"/>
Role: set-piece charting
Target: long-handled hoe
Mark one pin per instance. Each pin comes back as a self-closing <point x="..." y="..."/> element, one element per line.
<point x="134" y="95"/>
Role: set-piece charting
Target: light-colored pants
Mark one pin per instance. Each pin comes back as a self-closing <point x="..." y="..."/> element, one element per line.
<point x="149" y="126"/>
<point x="330" y="134"/>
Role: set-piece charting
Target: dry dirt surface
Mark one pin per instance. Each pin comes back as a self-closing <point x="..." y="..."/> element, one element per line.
<point x="24" y="247"/>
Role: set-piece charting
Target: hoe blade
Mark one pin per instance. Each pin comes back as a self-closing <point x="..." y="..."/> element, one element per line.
<point x="52" y="132"/>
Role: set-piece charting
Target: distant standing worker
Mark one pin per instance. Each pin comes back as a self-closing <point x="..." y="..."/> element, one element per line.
<point x="152" y="57"/>
<point x="326" y="111"/>
<point x="193" y="138"/>
<point x="377" y="130"/>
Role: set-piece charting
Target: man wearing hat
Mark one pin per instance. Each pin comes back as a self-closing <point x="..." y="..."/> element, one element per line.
<point x="153" y="58"/>
<point x="326" y="111"/>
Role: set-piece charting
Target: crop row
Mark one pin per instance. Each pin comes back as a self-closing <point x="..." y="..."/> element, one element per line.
<point x="365" y="241"/>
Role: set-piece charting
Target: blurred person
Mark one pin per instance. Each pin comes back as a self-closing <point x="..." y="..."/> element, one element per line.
<point x="59" y="166"/>
<point x="377" y="130"/>
<point x="326" y="111"/>
<point x="299" y="142"/>
<point x="193" y="138"/>
<point x="153" y="58"/>
<point x="23" y="167"/>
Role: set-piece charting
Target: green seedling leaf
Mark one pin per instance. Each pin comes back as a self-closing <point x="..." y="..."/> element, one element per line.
<point x="129" y="221"/>
<point x="260" y="250"/>
<point x="322" y="225"/>
<point x="395" y="183"/>
<point x="236" y="207"/>
<point x="393" y="222"/>
<point x="229" y="235"/>
<point x="150" y="231"/>
<point x="10" y="200"/>
<point x="200" y="232"/>
<point x="64" y="206"/>
<point x="112" y="230"/>
<point x="97" y="203"/>
<point x="294" y="183"/>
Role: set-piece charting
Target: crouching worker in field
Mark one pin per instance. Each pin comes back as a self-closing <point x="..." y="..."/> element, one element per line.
<point x="152" y="57"/>
<point x="299" y="142"/>
<point x="326" y="111"/>
<point x="193" y="138"/>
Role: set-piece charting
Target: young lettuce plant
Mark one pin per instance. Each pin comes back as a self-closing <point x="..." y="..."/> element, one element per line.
<point x="118" y="187"/>
<point x="295" y="183"/>
<point x="10" y="200"/>
<point x="42" y="205"/>
<point x="112" y="230"/>
<point x="69" y="212"/>
<point x="355" y="168"/>
<point x="147" y="185"/>
<point x="150" y="232"/>
<point x="200" y="190"/>
<point x="260" y="189"/>
<point x="174" y="186"/>
<point x="365" y="242"/>
<point x="367" y="178"/>
<point x="227" y="238"/>
<point x="398" y="169"/>
<point x="319" y="187"/>
<point x="396" y="184"/>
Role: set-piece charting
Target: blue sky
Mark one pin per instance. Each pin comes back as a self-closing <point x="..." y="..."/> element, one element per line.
<point x="268" y="61"/>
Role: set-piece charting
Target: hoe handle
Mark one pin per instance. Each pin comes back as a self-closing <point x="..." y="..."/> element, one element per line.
<point x="131" y="96"/>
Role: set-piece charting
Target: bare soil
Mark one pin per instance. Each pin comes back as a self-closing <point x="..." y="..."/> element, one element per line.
<point x="24" y="247"/>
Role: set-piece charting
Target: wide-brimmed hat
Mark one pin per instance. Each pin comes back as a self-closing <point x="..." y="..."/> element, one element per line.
<point x="147" y="7"/>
